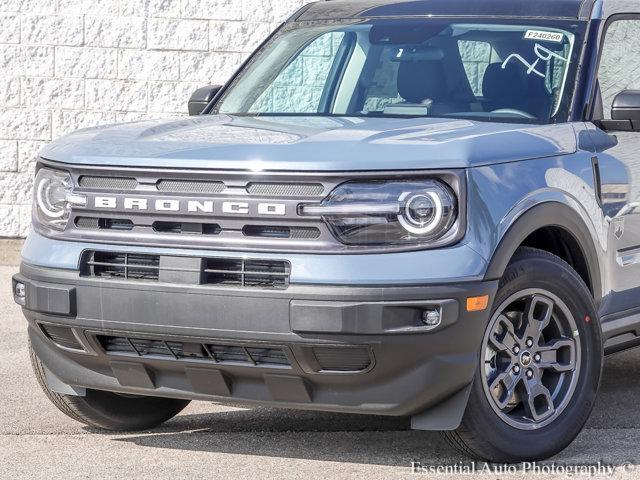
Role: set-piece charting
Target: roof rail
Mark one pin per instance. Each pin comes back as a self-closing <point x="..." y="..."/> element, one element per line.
<point x="586" y="8"/>
<point x="565" y="9"/>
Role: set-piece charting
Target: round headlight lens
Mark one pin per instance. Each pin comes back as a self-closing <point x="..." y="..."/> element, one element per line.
<point x="51" y="205"/>
<point x="51" y="197"/>
<point x="421" y="213"/>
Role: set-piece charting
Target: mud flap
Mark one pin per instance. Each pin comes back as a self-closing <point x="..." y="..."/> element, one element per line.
<point x="445" y="416"/>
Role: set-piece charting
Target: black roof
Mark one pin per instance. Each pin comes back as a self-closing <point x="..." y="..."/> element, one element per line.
<point x="334" y="9"/>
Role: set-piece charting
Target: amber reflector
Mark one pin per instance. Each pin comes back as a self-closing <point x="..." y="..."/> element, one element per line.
<point x="477" y="304"/>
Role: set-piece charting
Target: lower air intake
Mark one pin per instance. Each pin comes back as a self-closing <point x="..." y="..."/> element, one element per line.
<point x="244" y="273"/>
<point x="61" y="336"/>
<point x="227" y="354"/>
<point x="342" y="359"/>
<point x="125" y="266"/>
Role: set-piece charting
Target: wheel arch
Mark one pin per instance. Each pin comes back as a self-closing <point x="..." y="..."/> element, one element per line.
<point x="530" y="228"/>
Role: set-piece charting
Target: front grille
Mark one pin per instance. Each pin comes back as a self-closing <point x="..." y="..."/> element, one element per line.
<point x="61" y="336"/>
<point x="93" y="223"/>
<point x="195" y="186"/>
<point x="88" y="223"/>
<point x="245" y="273"/>
<point x="187" y="228"/>
<point x="215" y="210"/>
<point x="342" y="359"/>
<point x="190" y="186"/>
<point x="197" y="228"/>
<point x="108" y="183"/>
<point x="286" y="189"/>
<point x="268" y="231"/>
<point x="245" y="355"/>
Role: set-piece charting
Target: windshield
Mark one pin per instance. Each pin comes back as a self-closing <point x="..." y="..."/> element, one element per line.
<point x="512" y="71"/>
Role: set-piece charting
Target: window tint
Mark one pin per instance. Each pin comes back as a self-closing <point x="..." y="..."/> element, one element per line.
<point x="620" y="62"/>
<point x="298" y="88"/>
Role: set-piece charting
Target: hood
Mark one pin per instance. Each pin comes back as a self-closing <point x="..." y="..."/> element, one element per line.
<point x="311" y="143"/>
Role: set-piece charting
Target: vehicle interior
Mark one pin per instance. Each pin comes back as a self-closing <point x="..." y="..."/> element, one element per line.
<point x="463" y="74"/>
<point x="409" y="68"/>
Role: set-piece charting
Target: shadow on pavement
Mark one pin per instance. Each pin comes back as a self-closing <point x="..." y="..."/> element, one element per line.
<point x="300" y="435"/>
<point x="389" y="441"/>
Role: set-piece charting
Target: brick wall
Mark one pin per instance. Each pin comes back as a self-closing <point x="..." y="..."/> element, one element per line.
<point x="299" y="87"/>
<point x="620" y="62"/>
<point x="70" y="64"/>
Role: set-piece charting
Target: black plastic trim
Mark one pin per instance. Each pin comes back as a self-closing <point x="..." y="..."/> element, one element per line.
<point x="550" y="214"/>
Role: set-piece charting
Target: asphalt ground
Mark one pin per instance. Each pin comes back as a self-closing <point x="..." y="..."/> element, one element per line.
<point x="222" y="442"/>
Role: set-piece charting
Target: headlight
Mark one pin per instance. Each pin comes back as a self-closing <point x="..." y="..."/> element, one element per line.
<point x="53" y="198"/>
<point x="388" y="212"/>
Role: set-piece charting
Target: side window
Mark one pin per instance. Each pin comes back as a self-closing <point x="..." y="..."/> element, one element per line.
<point x="476" y="57"/>
<point x="298" y="88"/>
<point x="620" y="62"/>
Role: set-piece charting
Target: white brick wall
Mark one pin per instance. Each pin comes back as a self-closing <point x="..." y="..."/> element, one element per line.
<point x="70" y="64"/>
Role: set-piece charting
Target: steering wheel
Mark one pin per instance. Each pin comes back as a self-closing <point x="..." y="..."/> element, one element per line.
<point x="513" y="111"/>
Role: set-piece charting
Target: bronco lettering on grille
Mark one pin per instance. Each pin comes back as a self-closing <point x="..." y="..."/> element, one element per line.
<point x="185" y="206"/>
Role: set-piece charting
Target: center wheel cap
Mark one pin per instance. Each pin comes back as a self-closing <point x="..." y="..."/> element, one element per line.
<point x="525" y="359"/>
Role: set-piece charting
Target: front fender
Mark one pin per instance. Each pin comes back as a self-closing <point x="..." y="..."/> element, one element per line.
<point x="549" y="214"/>
<point x="508" y="202"/>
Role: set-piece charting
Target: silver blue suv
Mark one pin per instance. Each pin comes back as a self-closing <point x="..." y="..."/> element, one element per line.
<point x="426" y="209"/>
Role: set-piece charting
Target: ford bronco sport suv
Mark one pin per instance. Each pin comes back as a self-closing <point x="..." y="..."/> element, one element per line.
<point x="426" y="209"/>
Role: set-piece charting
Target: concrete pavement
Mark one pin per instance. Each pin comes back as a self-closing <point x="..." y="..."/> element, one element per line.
<point x="37" y="441"/>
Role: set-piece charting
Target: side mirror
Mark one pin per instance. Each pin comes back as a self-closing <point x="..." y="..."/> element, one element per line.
<point x="625" y="110"/>
<point x="201" y="98"/>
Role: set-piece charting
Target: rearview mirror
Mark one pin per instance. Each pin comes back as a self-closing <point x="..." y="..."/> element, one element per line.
<point x="201" y="98"/>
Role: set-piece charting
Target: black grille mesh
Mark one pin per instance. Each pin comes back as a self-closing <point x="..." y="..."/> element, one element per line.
<point x="88" y="223"/>
<point x="190" y="186"/>
<point x="286" y="189"/>
<point x="247" y="355"/>
<point x="188" y="228"/>
<point x="62" y="336"/>
<point x="267" y="231"/>
<point x="108" y="183"/>
<point x="93" y="223"/>
<point x="204" y="186"/>
<point x="194" y="228"/>
<point x="347" y="359"/>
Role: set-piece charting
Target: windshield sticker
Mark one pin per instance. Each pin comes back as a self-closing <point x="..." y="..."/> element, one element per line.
<point x="544" y="36"/>
<point x="543" y="54"/>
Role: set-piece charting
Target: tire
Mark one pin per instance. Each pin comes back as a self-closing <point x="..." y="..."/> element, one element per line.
<point x="110" y="411"/>
<point x="507" y="424"/>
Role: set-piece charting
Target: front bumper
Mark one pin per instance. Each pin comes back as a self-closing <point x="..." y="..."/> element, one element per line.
<point x="329" y="348"/>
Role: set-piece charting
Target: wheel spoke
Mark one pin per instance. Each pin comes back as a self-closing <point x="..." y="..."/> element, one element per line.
<point x="538" y="403"/>
<point x="504" y="338"/>
<point x="537" y="313"/>
<point x="550" y="355"/>
<point x="503" y="388"/>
